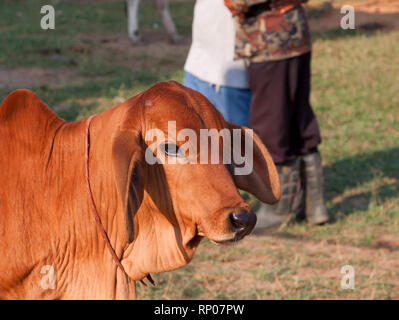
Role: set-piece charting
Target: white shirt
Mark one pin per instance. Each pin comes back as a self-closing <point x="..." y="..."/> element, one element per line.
<point x="211" y="56"/>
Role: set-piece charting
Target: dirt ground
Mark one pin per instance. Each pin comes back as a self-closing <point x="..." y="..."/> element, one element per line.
<point x="31" y="77"/>
<point x="377" y="6"/>
<point x="376" y="14"/>
<point x="280" y="265"/>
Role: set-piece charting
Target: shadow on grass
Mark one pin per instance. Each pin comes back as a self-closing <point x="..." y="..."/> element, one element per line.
<point x="351" y="173"/>
<point x="355" y="171"/>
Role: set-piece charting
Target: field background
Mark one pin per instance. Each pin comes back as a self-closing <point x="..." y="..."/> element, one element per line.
<point x="88" y="65"/>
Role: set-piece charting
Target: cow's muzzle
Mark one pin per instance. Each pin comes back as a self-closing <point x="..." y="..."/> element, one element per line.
<point x="243" y="223"/>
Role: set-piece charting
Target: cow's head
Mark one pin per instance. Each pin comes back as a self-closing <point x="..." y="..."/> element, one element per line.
<point x="170" y="206"/>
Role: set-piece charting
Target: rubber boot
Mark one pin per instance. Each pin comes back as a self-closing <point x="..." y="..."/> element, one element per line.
<point x="271" y="216"/>
<point x="313" y="185"/>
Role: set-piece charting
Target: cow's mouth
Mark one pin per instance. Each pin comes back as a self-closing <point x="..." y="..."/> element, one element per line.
<point x="230" y="238"/>
<point x="239" y="225"/>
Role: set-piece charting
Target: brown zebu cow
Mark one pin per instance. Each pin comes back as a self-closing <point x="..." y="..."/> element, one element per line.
<point x="154" y="215"/>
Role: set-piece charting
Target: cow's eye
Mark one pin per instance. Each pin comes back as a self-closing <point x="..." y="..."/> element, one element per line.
<point x="171" y="150"/>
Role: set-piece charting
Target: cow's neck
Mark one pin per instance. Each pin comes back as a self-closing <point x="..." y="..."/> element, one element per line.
<point x="88" y="270"/>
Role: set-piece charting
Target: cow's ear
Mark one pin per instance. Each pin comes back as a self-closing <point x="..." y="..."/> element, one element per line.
<point x="262" y="181"/>
<point x="126" y="158"/>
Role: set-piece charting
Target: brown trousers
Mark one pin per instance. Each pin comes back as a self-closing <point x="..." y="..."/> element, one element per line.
<point x="280" y="111"/>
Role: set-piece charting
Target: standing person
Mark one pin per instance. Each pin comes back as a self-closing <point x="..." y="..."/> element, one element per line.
<point x="273" y="37"/>
<point x="210" y="67"/>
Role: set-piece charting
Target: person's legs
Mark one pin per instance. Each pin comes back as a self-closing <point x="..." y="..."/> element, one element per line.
<point x="281" y="115"/>
<point x="272" y="111"/>
<point x="305" y="133"/>
<point x="280" y="111"/>
<point x="203" y="87"/>
<point x="306" y="137"/>
<point x="234" y="104"/>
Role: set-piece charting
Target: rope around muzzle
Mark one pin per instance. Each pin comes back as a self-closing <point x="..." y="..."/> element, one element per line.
<point x="95" y="212"/>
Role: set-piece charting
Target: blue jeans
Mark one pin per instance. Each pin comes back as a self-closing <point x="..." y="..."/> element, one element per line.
<point x="232" y="103"/>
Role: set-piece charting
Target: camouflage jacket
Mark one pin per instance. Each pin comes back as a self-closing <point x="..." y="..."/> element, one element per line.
<point x="269" y="29"/>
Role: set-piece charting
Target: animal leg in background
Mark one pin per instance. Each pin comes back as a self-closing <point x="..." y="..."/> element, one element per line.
<point x="132" y="20"/>
<point x="162" y="7"/>
<point x="163" y="11"/>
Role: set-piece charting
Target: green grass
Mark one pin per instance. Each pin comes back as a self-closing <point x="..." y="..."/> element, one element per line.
<point x="354" y="94"/>
<point x="82" y="31"/>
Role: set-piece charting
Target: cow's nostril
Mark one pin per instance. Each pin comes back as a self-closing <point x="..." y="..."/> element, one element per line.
<point x="243" y="222"/>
